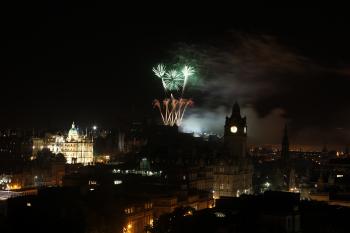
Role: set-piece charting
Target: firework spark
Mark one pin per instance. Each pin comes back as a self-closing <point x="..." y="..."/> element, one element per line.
<point x="172" y="110"/>
<point x="187" y="71"/>
<point x="173" y="80"/>
<point x="160" y="71"/>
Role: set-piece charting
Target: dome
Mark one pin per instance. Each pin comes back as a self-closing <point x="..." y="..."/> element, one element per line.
<point x="73" y="134"/>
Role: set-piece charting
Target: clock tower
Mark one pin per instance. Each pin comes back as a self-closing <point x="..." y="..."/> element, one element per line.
<point x="235" y="136"/>
<point x="233" y="173"/>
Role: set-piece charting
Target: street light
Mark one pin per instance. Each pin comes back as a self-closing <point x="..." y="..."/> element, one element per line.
<point x="94" y="127"/>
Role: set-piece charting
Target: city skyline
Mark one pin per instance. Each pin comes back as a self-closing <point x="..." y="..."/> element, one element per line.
<point x="61" y="68"/>
<point x="174" y="120"/>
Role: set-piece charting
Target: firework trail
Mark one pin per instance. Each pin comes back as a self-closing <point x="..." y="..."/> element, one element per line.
<point x="187" y="71"/>
<point x="172" y="110"/>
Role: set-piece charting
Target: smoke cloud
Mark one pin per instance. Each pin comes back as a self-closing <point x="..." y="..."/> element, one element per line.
<point x="274" y="84"/>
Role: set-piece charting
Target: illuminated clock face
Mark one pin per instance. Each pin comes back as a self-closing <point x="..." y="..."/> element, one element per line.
<point x="245" y="129"/>
<point x="234" y="129"/>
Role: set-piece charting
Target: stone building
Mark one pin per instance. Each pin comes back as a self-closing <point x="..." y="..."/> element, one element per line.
<point x="76" y="148"/>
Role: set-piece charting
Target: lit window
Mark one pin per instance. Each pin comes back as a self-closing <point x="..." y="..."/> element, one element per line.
<point x="129" y="210"/>
<point x="148" y="205"/>
<point x="92" y="182"/>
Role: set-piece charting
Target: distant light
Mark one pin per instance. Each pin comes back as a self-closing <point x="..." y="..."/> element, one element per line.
<point x="94" y="127"/>
<point x="234" y="129"/>
<point x="338" y="176"/>
<point x="238" y="193"/>
<point x="92" y="189"/>
<point x="220" y="215"/>
<point x="129" y="226"/>
<point x="294" y="189"/>
<point x="116" y="182"/>
<point x="188" y="213"/>
<point x="29" y="204"/>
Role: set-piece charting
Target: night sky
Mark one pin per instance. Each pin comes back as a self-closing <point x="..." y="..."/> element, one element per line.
<point x="92" y="64"/>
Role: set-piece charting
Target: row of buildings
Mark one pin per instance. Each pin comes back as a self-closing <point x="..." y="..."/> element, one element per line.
<point x="165" y="171"/>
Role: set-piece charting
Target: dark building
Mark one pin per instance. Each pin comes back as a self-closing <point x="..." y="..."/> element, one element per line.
<point x="15" y="147"/>
<point x="270" y="212"/>
<point x="287" y="165"/>
<point x="285" y="146"/>
<point x="233" y="171"/>
<point x="235" y="136"/>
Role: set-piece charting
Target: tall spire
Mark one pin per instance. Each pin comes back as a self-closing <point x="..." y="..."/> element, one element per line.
<point x="285" y="144"/>
<point x="73" y="125"/>
<point x="285" y="135"/>
<point x="236" y="110"/>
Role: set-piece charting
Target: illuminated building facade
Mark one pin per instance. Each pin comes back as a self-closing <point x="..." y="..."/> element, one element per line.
<point x="138" y="216"/>
<point x="76" y="148"/>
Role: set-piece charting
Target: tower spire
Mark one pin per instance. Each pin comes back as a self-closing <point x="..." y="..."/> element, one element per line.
<point x="285" y="144"/>
<point x="236" y="110"/>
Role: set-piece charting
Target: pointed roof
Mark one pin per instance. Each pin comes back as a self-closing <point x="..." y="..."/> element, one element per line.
<point x="236" y="110"/>
<point x="286" y="130"/>
<point x="285" y="135"/>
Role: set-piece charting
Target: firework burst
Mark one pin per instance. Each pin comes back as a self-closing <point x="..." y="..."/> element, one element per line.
<point x="171" y="109"/>
<point x="174" y="80"/>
